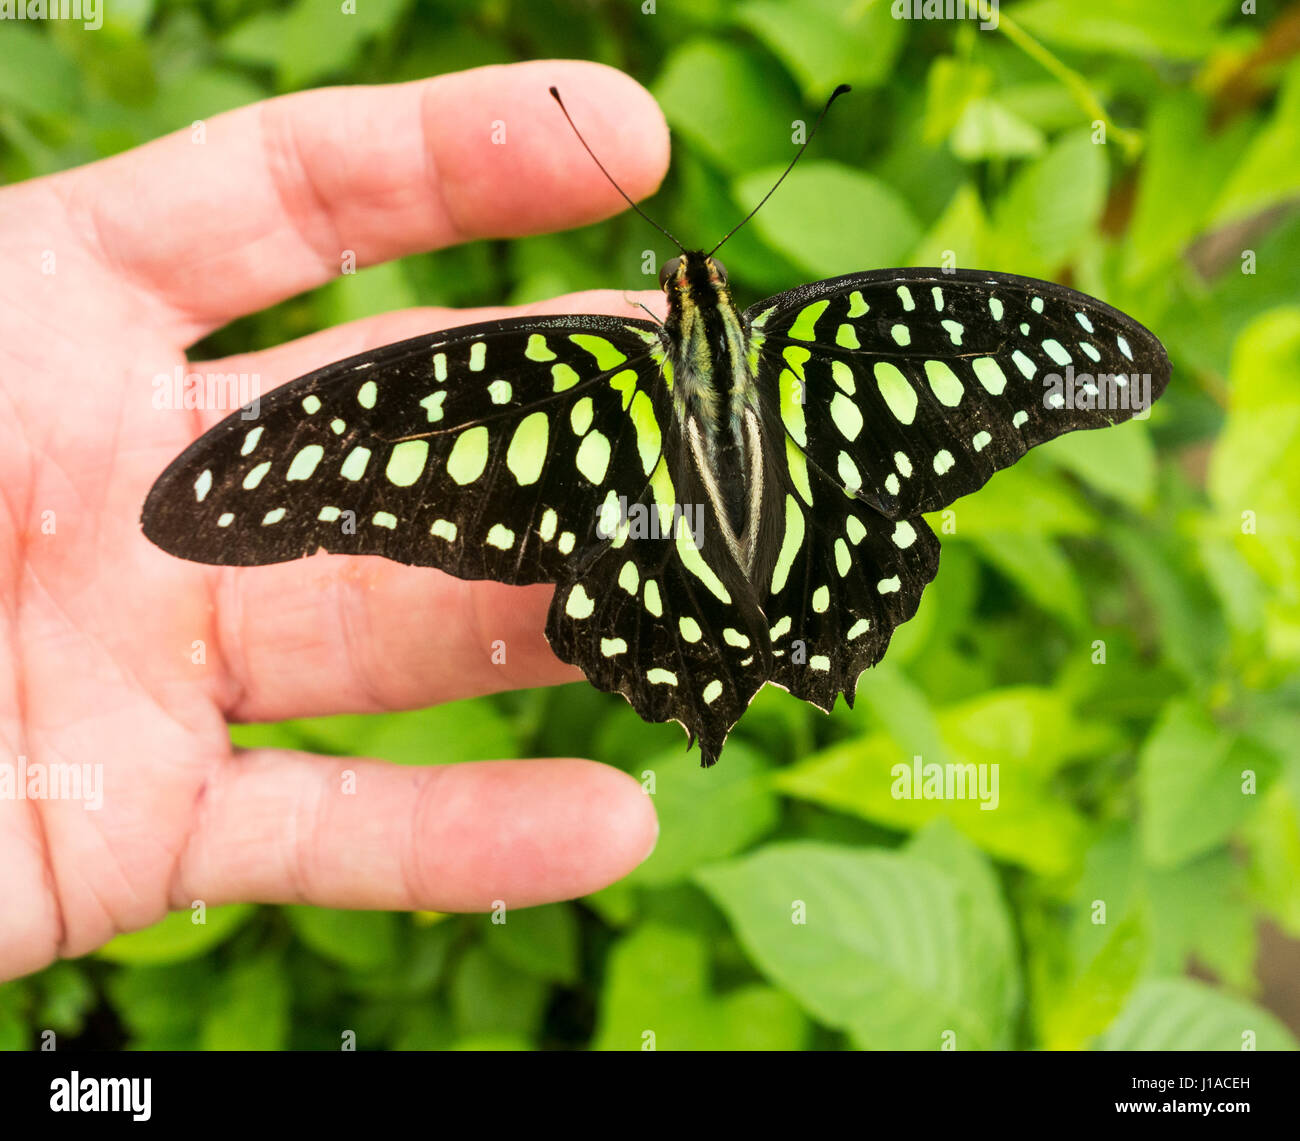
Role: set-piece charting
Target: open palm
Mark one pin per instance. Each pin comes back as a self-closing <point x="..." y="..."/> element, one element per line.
<point x="124" y="658"/>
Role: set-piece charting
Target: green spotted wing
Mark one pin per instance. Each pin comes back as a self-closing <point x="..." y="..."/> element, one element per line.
<point x="487" y="451"/>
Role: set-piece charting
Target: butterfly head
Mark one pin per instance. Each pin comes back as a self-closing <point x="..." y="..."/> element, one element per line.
<point x="693" y="277"/>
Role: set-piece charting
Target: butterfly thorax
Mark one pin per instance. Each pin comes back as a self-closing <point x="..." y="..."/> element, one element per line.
<point x="716" y="409"/>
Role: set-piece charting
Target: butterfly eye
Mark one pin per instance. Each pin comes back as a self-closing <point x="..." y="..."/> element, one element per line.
<point x="719" y="269"/>
<point x="668" y="270"/>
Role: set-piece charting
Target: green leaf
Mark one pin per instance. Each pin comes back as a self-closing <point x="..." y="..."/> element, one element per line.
<point x="987" y="130"/>
<point x="1190" y="777"/>
<point x="1041" y="571"/>
<point x="1179" y="1014"/>
<point x="827" y="42"/>
<point x="491" y="997"/>
<point x="656" y="996"/>
<point x="1269" y="172"/>
<point x="37" y="77"/>
<point x="248" y="1008"/>
<point x="1120" y="27"/>
<point x="960" y="235"/>
<point x="359" y="939"/>
<point x="161" y="1006"/>
<point x="705" y="814"/>
<point x="951" y="86"/>
<point x="1119" y="462"/>
<point x="542" y="941"/>
<point x="1020" y="737"/>
<point x="709" y="90"/>
<point x="1027" y="499"/>
<point x="67" y="995"/>
<point x="177" y="937"/>
<point x="873" y="223"/>
<point x="880" y="944"/>
<point x="1052" y="207"/>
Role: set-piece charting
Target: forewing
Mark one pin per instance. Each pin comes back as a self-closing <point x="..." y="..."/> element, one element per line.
<point x="488" y="451"/>
<point x="912" y="387"/>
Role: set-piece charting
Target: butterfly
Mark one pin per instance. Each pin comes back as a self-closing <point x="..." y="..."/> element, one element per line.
<point x="723" y="500"/>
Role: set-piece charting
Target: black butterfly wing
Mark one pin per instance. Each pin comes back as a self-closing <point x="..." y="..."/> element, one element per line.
<point x="490" y="451"/>
<point x="912" y="387"/>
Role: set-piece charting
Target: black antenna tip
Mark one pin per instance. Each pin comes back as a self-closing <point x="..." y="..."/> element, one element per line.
<point x="555" y="94"/>
<point x="842" y="89"/>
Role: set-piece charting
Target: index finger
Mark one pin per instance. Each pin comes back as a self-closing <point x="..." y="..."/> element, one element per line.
<point x="264" y="202"/>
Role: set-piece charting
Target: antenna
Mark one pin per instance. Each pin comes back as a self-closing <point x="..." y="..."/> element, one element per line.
<point x="555" y="94"/>
<point x="842" y="89"/>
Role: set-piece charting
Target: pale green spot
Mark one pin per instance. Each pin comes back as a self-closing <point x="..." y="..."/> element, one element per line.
<point x="311" y="405"/>
<point x="612" y="647"/>
<point x="329" y="514"/>
<point x="797" y="462"/>
<point x="203" y="484"/>
<point x="563" y="377"/>
<point x="469" y="455"/>
<point x="903" y="464"/>
<point x="842" y="374"/>
<point x="607" y="356"/>
<point x="251" y="480"/>
<point x="1091" y="350"/>
<point x="892" y="485"/>
<point x="581" y="415"/>
<point x="944" y="383"/>
<point x="250" y="441"/>
<point x="904" y="534"/>
<point x="443" y="529"/>
<point x="537" y="349"/>
<point x="846" y="415"/>
<point x="821" y="599"/>
<point x="661" y="677"/>
<point x="854" y="528"/>
<point x="1083" y="320"/>
<point x="367" y="394"/>
<point x="593" y="456"/>
<point x="843" y="560"/>
<point x="653" y="602"/>
<point x="432" y="405"/>
<point x="805" y="325"/>
<point x="712" y="691"/>
<point x="782" y="627"/>
<point x="848" y="472"/>
<point x="791" y="541"/>
<point x="846" y="336"/>
<point x="1123" y="347"/>
<point x="937" y="294"/>
<point x="549" y="521"/>
<point x="860" y="627"/>
<point x="1036" y="305"/>
<point x="624" y="383"/>
<point x="273" y="516"/>
<point x="526" y="455"/>
<point x="338" y="426"/>
<point x="820" y="662"/>
<point x="354" y="467"/>
<point x="629" y="578"/>
<point x="943" y="461"/>
<point x="304" y="463"/>
<point x="857" y="304"/>
<point x="955" y="330"/>
<point x="889" y="585"/>
<point x="579" y="604"/>
<point x="1024" y="328"/>
<point x="407" y="462"/>
<point x="500" y="391"/>
<point x="690" y="629"/>
<point x="564" y="544"/>
<point x="440" y="367"/>
<point x="735" y="638"/>
<point x="501" y="537"/>
<point x="1024" y="364"/>
<point x="898" y="393"/>
<point x="384" y="519"/>
<point x="225" y="519"/>
<point x="1056" y="351"/>
<point x="649" y="440"/>
<point x="902" y="335"/>
<point x="905" y="296"/>
<point x="477" y="356"/>
<point x="995" y="307"/>
<point x="792" y="413"/>
<point x="981" y="440"/>
<point x="1019" y="419"/>
<point x="989" y="373"/>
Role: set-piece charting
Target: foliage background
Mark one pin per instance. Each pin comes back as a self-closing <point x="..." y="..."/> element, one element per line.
<point x="1121" y="782"/>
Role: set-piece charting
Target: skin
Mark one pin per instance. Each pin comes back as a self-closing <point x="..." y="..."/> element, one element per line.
<point x="153" y="249"/>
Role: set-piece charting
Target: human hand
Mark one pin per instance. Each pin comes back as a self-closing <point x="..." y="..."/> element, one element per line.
<point x="110" y="272"/>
